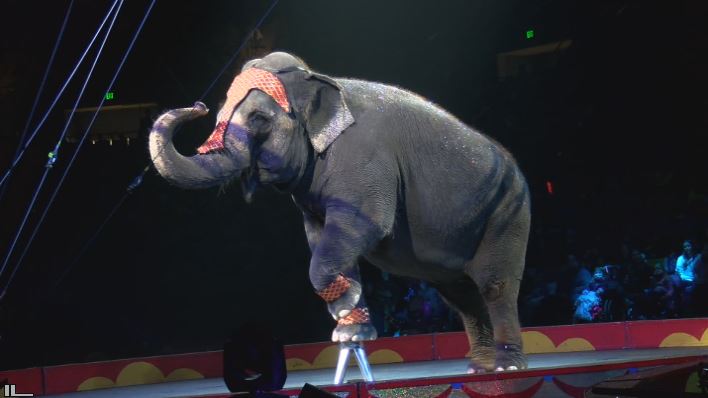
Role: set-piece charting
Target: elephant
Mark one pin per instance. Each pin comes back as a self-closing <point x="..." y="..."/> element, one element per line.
<point x="380" y="174"/>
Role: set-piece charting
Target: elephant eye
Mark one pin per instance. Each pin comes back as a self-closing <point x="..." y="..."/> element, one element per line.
<point x="258" y="120"/>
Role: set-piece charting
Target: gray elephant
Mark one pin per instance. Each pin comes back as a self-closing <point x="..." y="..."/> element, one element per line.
<point x="379" y="173"/>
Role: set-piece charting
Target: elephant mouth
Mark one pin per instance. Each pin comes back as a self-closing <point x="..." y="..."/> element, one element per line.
<point x="249" y="182"/>
<point x="255" y="176"/>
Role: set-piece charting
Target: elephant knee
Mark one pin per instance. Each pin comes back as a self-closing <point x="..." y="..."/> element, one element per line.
<point x="319" y="278"/>
<point x="493" y="290"/>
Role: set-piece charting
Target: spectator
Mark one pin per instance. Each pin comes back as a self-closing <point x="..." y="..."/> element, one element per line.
<point x="700" y="292"/>
<point x="554" y="308"/>
<point x="701" y="269"/>
<point x="533" y="292"/>
<point x="637" y="281"/>
<point x="686" y="266"/>
<point x="583" y="278"/>
<point x="433" y="308"/>
<point x="387" y="293"/>
<point x="639" y="273"/>
<point x="574" y="278"/>
<point x="670" y="263"/>
<point x="588" y="305"/>
<point x="686" y="263"/>
<point x="614" y="305"/>
<point x="662" y="296"/>
<point x="670" y="271"/>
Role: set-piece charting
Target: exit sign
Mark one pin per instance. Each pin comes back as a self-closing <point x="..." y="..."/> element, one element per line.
<point x="110" y="96"/>
<point x="530" y="34"/>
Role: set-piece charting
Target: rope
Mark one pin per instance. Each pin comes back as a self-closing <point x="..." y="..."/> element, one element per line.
<point x="53" y="155"/>
<point x="226" y="66"/>
<point x="41" y="88"/>
<point x="76" y="152"/>
<point x="138" y="179"/>
<point x="58" y="96"/>
<point x="78" y="256"/>
<point x="238" y="51"/>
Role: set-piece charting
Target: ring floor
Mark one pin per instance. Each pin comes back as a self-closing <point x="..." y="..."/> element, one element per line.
<point x="390" y="372"/>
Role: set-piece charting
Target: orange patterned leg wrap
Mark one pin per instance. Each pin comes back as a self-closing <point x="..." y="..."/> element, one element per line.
<point x="335" y="289"/>
<point x="358" y="315"/>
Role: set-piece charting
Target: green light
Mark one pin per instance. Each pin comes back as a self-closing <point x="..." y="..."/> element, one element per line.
<point x="110" y="95"/>
<point x="530" y="34"/>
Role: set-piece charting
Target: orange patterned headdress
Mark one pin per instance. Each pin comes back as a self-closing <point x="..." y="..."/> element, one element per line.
<point x="246" y="81"/>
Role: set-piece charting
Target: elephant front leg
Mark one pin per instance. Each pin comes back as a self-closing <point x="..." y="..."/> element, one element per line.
<point x="347" y="305"/>
<point x="334" y="273"/>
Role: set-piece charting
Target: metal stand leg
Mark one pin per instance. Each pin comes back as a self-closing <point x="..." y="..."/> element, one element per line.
<point x="344" y="350"/>
<point x="341" y="364"/>
<point x="363" y="363"/>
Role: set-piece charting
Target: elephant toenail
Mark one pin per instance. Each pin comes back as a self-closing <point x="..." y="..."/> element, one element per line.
<point x="344" y="313"/>
<point x="512" y="367"/>
<point x="499" y="369"/>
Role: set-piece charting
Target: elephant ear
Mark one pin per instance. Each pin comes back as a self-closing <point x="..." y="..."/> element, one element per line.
<point x="324" y="112"/>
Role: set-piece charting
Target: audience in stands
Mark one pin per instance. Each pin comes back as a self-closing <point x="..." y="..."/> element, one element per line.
<point x="636" y="287"/>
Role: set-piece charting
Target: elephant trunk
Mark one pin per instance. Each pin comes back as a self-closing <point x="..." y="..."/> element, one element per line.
<point x="189" y="172"/>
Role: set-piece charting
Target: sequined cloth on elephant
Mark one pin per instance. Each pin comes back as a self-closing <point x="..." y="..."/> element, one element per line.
<point x="250" y="79"/>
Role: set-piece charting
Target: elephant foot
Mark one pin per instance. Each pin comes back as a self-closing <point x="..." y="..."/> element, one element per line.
<point x="481" y="360"/>
<point x="475" y="369"/>
<point x="510" y="357"/>
<point x="354" y="332"/>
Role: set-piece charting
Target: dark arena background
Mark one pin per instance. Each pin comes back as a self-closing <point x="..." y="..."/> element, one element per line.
<point x="603" y="103"/>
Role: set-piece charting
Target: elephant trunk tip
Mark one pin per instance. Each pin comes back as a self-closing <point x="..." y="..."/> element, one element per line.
<point x="200" y="108"/>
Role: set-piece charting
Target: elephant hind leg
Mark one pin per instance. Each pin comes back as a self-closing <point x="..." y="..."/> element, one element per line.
<point x="497" y="268"/>
<point x="464" y="297"/>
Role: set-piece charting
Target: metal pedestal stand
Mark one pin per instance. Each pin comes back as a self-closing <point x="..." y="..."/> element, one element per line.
<point x="344" y="350"/>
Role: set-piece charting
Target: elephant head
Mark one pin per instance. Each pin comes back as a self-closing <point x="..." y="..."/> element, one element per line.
<point x="276" y="115"/>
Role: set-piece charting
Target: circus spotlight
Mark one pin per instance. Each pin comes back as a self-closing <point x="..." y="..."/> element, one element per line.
<point x="254" y="361"/>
